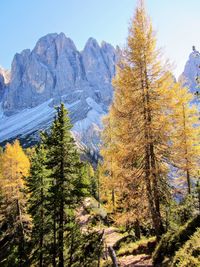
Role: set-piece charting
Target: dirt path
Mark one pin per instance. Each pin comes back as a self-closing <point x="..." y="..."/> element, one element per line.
<point x="111" y="236"/>
<point x="136" y="261"/>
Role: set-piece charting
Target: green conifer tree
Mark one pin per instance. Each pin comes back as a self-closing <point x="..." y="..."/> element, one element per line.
<point x="37" y="188"/>
<point x="67" y="184"/>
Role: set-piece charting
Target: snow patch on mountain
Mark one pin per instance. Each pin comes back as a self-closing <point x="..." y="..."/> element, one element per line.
<point x="26" y="121"/>
<point x="93" y="118"/>
<point x="94" y="105"/>
<point x="40" y="118"/>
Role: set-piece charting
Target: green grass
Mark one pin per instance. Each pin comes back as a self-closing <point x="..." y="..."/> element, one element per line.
<point x="139" y="247"/>
<point x="171" y="242"/>
<point x="189" y="254"/>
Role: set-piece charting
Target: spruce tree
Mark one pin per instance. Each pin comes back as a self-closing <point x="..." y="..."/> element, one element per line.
<point x="37" y="188"/>
<point x="66" y="183"/>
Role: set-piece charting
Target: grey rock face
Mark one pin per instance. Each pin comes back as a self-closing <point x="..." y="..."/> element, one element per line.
<point x="4" y="79"/>
<point x="191" y="72"/>
<point x="56" y="71"/>
<point x="55" y="68"/>
<point x="2" y="86"/>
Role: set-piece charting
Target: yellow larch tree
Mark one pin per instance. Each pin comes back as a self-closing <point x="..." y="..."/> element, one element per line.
<point x="15" y="166"/>
<point x="109" y="183"/>
<point x="185" y="136"/>
<point x="139" y="114"/>
<point x="118" y="190"/>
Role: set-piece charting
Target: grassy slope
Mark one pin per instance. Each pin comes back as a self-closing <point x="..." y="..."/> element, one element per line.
<point x="172" y="242"/>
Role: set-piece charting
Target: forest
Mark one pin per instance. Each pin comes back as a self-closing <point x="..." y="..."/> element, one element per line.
<point x="137" y="203"/>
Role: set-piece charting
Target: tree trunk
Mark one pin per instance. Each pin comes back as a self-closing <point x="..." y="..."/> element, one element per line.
<point x="54" y="238"/>
<point x="153" y="200"/>
<point x="147" y="162"/>
<point x="113" y="199"/>
<point x="186" y="152"/>
<point x="199" y="198"/>
<point x="188" y="180"/>
<point x="60" y="236"/>
<point x="71" y="249"/>
<point x="113" y="256"/>
<point x="155" y="208"/>
<point x="41" y="250"/>
<point x="61" y="213"/>
<point x="42" y="230"/>
<point x="99" y="204"/>
<point x="156" y="194"/>
<point x="20" y="236"/>
<point x="137" y="229"/>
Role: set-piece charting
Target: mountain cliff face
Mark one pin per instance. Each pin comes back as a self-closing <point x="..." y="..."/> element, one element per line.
<point x="191" y="73"/>
<point x="52" y="72"/>
<point x="2" y="86"/>
<point x="4" y="79"/>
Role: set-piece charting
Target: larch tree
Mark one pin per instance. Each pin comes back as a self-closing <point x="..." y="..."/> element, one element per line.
<point x="16" y="221"/>
<point x="109" y="176"/>
<point x="184" y="136"/>
<point x="120" y="193"/>
<point x="139" y="113"/>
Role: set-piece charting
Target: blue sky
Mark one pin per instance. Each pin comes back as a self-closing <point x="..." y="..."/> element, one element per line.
<point x="23" y="22"/>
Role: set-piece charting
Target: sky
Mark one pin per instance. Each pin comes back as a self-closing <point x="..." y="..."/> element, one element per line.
<point x="23" y="22"/>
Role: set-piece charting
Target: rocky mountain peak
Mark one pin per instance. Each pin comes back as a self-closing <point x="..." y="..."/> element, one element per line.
<point x="56" y="71"/>
<point x="191" y="72"/>
<point x="53" y="42"/>
<point x="91" y="44"/>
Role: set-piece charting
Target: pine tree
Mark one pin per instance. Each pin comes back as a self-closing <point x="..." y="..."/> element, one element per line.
<point x="139" y="116"/>
<point x="93" y="184"/>
<point x="15" y="219"/>
<point x="67" y="185"/>
<point x="90" y="248"/>
<point x="37" y="188"/>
